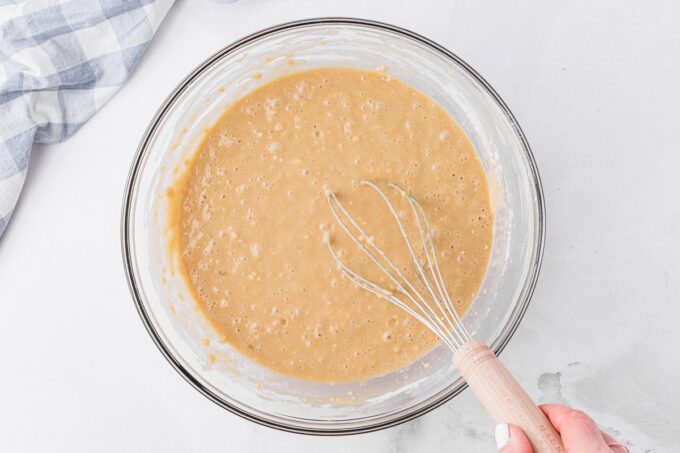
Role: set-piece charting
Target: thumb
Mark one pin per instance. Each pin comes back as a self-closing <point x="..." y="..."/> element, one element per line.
<point x="511" y="439"/>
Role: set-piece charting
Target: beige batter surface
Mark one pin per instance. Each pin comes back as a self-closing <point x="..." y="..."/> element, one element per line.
<point x="251" y="213"/>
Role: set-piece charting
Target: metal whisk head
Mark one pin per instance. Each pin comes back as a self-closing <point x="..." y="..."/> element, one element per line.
<point x="429" y="302"/>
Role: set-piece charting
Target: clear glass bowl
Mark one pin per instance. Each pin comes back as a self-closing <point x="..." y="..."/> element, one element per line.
<point x="170" y="315"/>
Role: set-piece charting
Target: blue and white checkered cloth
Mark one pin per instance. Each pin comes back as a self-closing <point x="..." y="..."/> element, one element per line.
<point x="60" y="61"/>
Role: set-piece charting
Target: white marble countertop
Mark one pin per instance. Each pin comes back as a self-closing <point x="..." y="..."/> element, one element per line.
<point x="594" y="85"/>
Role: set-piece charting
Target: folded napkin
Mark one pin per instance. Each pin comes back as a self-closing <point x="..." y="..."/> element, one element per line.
<point x="60" y="61"/>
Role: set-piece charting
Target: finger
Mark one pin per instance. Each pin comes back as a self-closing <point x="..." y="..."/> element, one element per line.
<point x="511" y="439"/>
<point x="578" y="431"/>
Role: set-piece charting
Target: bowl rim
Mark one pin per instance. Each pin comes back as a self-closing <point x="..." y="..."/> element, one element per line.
<point x="371" y="425"/>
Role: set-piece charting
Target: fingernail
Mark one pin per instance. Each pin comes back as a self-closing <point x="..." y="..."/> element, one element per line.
<point x="502" y="435"/>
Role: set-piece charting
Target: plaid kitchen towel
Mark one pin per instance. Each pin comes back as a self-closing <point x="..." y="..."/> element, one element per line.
<point x="60" y="61"/>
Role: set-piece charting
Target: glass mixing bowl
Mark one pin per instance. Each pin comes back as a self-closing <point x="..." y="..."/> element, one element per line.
<point x="183" y="335"/>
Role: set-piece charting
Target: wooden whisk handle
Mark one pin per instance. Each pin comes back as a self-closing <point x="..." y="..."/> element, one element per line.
<point x="502" y="396"/>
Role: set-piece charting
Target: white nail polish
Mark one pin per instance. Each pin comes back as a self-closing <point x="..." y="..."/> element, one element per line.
<point x="502" y="435"/>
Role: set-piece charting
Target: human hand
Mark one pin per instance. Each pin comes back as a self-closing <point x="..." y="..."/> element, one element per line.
<point x="578" y="431"/>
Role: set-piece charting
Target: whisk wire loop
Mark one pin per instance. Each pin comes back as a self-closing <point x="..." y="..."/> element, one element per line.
<point x="421" y="274"/>
<point x="431" y="320"/>
<point x="432" y="305"/>
<point x="434" y="265"/>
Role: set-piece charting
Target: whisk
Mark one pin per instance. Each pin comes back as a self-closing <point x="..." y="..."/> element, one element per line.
<point x="429" y="302"/>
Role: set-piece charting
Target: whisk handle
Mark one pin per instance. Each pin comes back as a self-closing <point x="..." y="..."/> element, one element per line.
<point x="502" y="396"/>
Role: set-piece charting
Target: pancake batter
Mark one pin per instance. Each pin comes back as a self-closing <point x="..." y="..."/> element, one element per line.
<point x="250" y="216"/>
